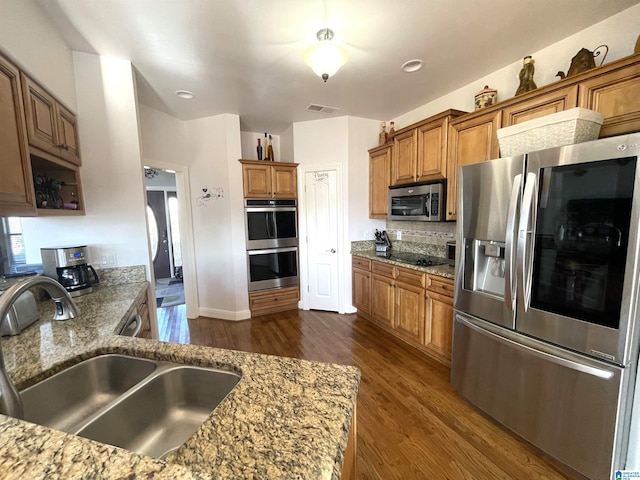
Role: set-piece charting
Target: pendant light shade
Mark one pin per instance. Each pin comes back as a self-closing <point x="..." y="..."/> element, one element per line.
<point x="325" y="57"/>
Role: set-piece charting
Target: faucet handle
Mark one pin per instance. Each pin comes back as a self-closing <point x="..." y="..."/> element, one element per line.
<point x="65" y="308"/>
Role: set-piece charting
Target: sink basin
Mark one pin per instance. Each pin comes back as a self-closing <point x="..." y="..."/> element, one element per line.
<point x="68" y="398"/>
<point x="146" y="406"/>
<point x="164" y="412"/>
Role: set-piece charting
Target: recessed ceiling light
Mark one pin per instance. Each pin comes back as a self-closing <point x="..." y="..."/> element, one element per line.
<point x="186" y="94"/>
<point x="412" y="65"/>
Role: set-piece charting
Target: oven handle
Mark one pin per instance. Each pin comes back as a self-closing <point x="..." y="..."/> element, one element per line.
<point x="272" y="250"/>
<point x="269" y="209"/>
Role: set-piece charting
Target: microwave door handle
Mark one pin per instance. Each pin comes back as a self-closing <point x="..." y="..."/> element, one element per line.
<point x="427" y="205"/>
<point x="509" y="250"/>
<point x="523" y="263"/>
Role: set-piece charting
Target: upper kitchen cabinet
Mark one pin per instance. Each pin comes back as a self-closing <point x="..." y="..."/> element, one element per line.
<point x="262" y="179"/>
<point x="379" y="180"/>
<point x="50" y="126"/>
<point x="17" y="196"/>
<point x="532" y="107"/>
<point x="472" y="139"/>
<point x="420" y="150"/>
<point x="614" y="91"/>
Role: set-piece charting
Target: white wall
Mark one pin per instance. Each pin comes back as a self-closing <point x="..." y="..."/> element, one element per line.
<point x="163" y="137"/>
<point x="32" y="42"/>
<point x="218" y="224"/>
<point x="286" y="145"/>
<point x="619" y="32"/>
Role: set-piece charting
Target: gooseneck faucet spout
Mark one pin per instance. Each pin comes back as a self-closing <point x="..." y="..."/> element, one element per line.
<point x="10" y="402"/>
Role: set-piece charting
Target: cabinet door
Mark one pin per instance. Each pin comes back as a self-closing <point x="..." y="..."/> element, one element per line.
<point x="17" y="197"/>
<point x="68" y="135"/>
<point x="552" y="102"/>
<point x="40" y="109"/>
<point x="284" y="180"/>
<point x="405" y="150"/>
<point x="432" y="147"/>
<point x="256" y="181"/>
<point x="382" y="299"/>
<point x="616" y="95"/>
<point x="470" y="141"/>
<point x="439" y="332"/>
<point x="379" y="181"/>
<point x="410" y="311"/>
<point x="361" y="290"/>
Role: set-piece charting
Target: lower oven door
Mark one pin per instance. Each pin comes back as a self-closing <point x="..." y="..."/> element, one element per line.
<point x="272" y="268"/>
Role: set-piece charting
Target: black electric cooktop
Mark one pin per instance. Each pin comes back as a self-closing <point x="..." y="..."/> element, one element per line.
<point x="414" y="258"/>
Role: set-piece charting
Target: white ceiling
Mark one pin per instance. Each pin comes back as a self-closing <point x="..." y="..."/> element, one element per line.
<point x="245" y="56"/>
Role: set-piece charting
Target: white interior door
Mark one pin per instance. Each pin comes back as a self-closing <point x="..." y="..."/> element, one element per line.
<point x="322" y="239"/>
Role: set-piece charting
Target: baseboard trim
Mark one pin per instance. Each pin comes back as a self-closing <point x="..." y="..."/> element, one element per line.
<point x="224" y="314"/>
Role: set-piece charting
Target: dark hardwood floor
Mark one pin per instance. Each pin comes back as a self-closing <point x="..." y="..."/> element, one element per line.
<point x="411" y="424"/>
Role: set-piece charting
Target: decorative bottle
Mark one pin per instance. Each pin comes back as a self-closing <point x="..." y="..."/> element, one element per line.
<point x="526" y="76"/>
<point x="259" y="148"/>
<point x="383" y="133"/>
<point x="392" y="131"/>
<point x="270" y="153"/>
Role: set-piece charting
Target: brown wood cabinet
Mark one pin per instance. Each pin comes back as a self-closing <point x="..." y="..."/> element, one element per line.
<point x="615" y="93"/>
<point x="379" y="180"/>
<point x="471" y="140"/>
<point x="409" y="315"/>
<point x="539" y="106"/>
<point x="17" y="195"/>
<point x="420" y="150"/>
<point x="412" y="305"/>
<point x="50" y="126"/>
<point x="361" y="284"/>
<point x="273" y="301"/>
<point x="262" y="179"/>
<point x="439" y="331"/>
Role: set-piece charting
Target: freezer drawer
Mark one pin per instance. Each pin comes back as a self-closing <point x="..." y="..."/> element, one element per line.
<point x="565" y="404"/>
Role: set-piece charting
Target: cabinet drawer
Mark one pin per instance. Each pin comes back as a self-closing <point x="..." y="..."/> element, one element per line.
<point x="384" y="269"/>
<point x="441" y="285"/>
<point x="410" y="277"/>
<point x="362" y="263"/>
<point x="272" y="301"/>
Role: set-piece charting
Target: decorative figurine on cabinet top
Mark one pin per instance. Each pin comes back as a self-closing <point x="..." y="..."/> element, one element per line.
<point x="583" y="61"/>
<point x="526" y="76"/>
<point x="486" y="97"/>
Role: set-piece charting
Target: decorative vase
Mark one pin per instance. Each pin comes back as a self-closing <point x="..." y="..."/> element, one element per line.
<point x="486" y="97"/>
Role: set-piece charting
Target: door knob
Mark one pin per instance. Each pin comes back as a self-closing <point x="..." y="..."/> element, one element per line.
<point x="333" y="250"/>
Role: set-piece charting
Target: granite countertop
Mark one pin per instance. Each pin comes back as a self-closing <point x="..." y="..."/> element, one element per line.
<point x="286" y="418"/>
<point x="446" y="271"/>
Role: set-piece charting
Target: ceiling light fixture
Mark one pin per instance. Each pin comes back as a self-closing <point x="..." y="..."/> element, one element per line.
<point x="325" y="57"/>
<point x="185" y="94"/>
<point x="412" y="65"/>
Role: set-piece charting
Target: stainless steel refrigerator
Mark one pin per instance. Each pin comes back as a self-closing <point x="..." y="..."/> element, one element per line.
<point x="546" y="302"/>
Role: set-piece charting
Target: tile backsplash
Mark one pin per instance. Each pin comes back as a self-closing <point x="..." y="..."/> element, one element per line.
<point x="432" y="233"/>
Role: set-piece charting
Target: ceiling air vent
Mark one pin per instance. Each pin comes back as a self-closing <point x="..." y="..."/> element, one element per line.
<point x="321" y="109"/>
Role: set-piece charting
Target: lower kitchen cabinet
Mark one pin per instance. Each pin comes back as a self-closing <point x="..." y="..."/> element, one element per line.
<point x="361" y="284"/>
<point x="414" y="306"/>
<point x="273" y="301"/>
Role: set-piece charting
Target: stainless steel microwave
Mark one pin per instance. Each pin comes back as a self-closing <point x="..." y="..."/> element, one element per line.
<point x="417" y="203"/>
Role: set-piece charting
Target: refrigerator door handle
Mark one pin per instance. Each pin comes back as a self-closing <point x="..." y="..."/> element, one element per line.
<point x="557" y="359"/>
<point x="509" y="250"/>
<point x="523" y="262"/>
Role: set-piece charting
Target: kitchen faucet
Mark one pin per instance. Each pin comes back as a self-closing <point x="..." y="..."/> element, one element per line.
<point x="10" y="402"/>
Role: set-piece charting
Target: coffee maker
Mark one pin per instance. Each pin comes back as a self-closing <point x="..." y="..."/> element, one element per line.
<point x="68" y="266"/>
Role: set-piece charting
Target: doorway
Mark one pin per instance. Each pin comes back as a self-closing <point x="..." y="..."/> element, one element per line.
<point x="180" y="280"/>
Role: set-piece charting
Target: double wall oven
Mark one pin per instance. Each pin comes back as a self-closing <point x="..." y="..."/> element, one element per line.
<point x="272" y="243"/>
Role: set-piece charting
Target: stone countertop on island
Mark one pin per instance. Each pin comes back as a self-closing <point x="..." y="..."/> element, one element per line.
<point x="446" y="271"/>
<point x="286" y="418"/>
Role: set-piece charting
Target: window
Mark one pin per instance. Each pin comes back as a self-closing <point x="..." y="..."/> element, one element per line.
<point x="13" y="244"/>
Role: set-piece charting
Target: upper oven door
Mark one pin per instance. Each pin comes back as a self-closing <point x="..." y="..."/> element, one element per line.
<point x="271" y="227"/>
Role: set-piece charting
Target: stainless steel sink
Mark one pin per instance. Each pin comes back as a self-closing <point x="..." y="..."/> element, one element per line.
<point x="146" y="406"/>
<point x="163" y="413"/>
<point x="68" y="398"/>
